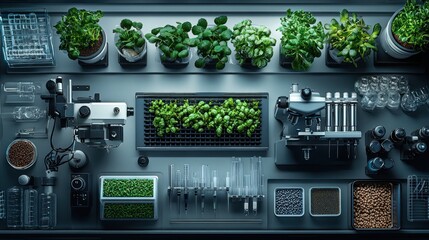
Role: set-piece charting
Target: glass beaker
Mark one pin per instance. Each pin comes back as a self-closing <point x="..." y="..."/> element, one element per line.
<point x="393" y="100"/>
<point x="48" y="210"/>
<point x="408" y="102"/>
<point x="30" y="208"/>
<point x="368" y="101"/>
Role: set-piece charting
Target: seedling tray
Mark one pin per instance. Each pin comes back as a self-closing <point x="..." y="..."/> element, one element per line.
<point x="131" y="210"/>
<point x="128" y="189"/>
<point x="189" y="139"/>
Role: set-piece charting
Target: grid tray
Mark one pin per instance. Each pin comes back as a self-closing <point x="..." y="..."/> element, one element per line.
<point x="418" y="198"/>
<point x="188" y="139"/>
<point x="27" y="38"/>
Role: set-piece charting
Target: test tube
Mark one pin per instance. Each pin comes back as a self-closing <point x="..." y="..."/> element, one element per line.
<point x="353" y="112"/>
<point x="336" y="111"/>
<point x="234" y="176"/>
<point x="260" y="177"/>
<point x="328" y="111"/>
<point x="178" y="186"/>
<point x="240" y="177"/>
<point x="345" y="111"/>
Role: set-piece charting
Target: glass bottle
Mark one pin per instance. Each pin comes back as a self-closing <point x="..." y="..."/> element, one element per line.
<point x="48" y="210"/>
<point x="14" y="207"/>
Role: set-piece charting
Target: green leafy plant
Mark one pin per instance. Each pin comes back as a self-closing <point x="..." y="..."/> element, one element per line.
<point x="411" y="25"/>
<point x="128" y="188"/>
<point x="172" y="41"/>
<point x="252" y="43"/>
<point x="212" y="42"/>
<point x="302" y="38"/>
<point x="351" y="37"/>
<point x="229" y="116"/>
<point x="129" y="210"/>
<point x="130" y="36"/>
<point x="78" y="30"/>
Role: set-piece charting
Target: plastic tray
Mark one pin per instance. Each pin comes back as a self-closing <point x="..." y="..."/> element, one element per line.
<point x="27" y="38"/>
<point x="325" y="215"/>
<point x="154" y="193"/>
<point x="396" y="203"/>
<point x="133" y="207"/>
<point x="302" y="202"/>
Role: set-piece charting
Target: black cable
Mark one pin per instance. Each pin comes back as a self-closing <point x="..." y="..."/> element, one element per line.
<point x="53" y="160"/>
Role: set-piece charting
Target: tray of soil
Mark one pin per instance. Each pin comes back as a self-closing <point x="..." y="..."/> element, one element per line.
<point x="325" y="201"/>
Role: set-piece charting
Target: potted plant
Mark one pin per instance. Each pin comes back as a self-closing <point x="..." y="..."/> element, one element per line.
<point x="212" y="42"/>
<point x="129" y="40"/>
<point x="81" y="35"/>
<point x="253" y="44"/>
<point x="172" y="42"/>
<point x="349" y="39"/>
<point x="407" y="32"/>
<point x="302" y="38"/>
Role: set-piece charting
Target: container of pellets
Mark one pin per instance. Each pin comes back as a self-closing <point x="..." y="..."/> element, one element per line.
<point x="376" y="205"/>
<point x="289" y="202"/>
<point x="325" y="201"/>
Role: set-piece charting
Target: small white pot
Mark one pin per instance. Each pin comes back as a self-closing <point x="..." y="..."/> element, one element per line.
<point x="97" y="56"/>
<point x="131" y="55"/>
<point x="391" y="46"/>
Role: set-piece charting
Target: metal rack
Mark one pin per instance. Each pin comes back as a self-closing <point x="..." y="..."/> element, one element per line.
<point x="27" y="38"/>
<point x="418" y="198"/>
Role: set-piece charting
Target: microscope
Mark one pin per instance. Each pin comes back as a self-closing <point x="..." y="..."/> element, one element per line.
<point x="312" y="123"/>
<point x="97" y="124"/>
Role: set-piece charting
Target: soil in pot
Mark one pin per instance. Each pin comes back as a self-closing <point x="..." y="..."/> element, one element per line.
<point x="92" y="49"/>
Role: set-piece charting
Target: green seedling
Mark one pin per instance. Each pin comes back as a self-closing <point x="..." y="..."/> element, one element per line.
<point x="227" y="117"/>
<point x="411" y="25"/>
<point x="173" y="41"/>
<point x="130" y="36"/>
<point x="129" y="211"/>
<point x="128" y="188"/>
<point x="351" y="38"/>
<point x="302" y="38"/>
<point x="252" y="43"/>
<point x="78" y="29"/>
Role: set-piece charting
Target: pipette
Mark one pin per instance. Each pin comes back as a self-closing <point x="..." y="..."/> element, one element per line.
<point x="214" y="185"/>
<point x="205" y="182"/>
<point x="185" y="184"/>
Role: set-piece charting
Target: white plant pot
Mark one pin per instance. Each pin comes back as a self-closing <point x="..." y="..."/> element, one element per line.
<point x="391" y="46"/>
<point x="97" y="56"/>
<point x="131" y="55"/>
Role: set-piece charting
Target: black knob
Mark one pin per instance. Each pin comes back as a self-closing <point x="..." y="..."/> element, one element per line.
<point x="51" y="86"/>
<point x="282" y="102"/>
<point x="376" y="163"/>
<point x="84" y="111"/>
<point x="130" y="111"/>
<point x="387" y="145"/>
<point x="306" y="93"/>
<point x="374" y="146"/>
<point x="378" y="132"/>
<point x="424" y="132"/>
<point x="143" y="161"/>
<point x="419" y="148"/>
<point x="398" y="135"/>
<point x="78" y="183"/>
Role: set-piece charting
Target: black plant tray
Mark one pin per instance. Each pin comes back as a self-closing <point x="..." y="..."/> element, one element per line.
<point x="125" y="64"/>
<point x="189" y="139"/>
<point x="381" y="58"/>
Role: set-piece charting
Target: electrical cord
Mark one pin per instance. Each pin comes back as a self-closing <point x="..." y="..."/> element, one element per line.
<point x="56" y="156"/>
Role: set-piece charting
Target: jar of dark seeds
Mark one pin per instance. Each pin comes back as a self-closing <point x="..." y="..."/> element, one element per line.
<point x="21" y="154"/>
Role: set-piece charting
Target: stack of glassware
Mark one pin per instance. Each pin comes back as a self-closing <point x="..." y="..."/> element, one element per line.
<point x="381" y="91"/>
<point x="411" y="100"/>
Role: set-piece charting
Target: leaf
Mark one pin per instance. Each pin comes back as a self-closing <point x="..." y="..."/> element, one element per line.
<point x="197" y="30"/>
<point x="352" y="53"/>
<point x="183" y="53"/>
<point x="220" y="20"/>
<point x="207" y="33"/>
<point x="155" y="31"/>
<point x="218" y="48"/>
<point x="140" y="42"/>
<point x="186" y="26"/>
<point x="226" y="35"/>
<point x="138" y="25"/>
<point x="126" y="23"/>
<point x="220" y="65"/>
<point x="200" y="63"/>
<point x="202" y="22"/>
<point x="344" y="16"/>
